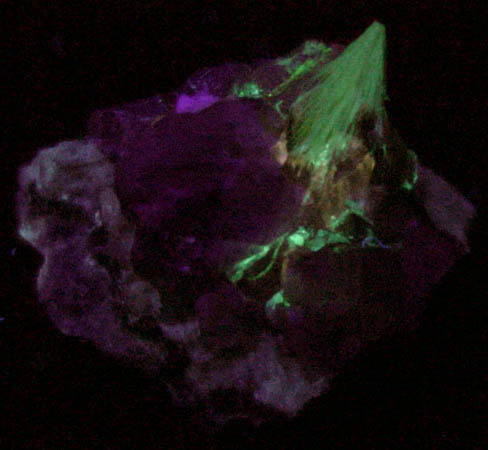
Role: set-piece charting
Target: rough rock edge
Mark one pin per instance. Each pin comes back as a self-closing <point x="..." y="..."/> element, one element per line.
<point x="76" y="175"/>
<point x="108" y="305"/>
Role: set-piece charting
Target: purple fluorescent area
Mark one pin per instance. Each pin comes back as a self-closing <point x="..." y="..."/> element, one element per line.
<point x="208" y="174"/>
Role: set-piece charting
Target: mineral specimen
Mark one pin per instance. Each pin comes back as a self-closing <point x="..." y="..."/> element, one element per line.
<point x="266" y="221"/>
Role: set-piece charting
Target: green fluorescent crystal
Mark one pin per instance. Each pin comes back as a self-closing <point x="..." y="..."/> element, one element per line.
<point x="410" y="183"/>
<point x="315" y="49"/>
<point x="301" y="70"/>
<point x="248" y="90"/>
<point x="298" y="238"/>
<point x="259" y="252"/>
<point x="277" y="300"/>
<point x="327" y="114"/>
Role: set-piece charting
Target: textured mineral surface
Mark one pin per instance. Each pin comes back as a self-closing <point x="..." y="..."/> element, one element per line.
<point x="199" y="232"/>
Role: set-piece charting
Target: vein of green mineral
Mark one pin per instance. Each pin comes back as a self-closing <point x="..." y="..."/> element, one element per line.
<point x="302" y="237"/>
<point x="295" y="69"/>
<point x="409" y="184"/>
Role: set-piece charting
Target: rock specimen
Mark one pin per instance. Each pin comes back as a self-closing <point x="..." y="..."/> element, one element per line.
<point x="252" y="231"/>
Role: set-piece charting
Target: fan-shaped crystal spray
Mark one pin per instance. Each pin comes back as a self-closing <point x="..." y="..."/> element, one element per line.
<point x="326" y="115"/>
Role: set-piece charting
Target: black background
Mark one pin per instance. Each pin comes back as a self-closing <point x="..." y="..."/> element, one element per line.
<point x="64" y="59"/>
